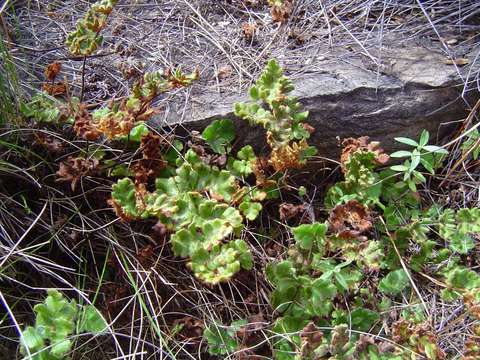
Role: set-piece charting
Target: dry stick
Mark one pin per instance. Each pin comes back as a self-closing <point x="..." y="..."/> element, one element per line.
<point x="405" y="268"/>
<point x="83" y="78"/>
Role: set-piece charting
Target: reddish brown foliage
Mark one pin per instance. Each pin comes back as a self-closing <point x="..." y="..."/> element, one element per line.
<point x="151" y="164"/>
<point x="261" y="169"/>
<point x="404" y="332"/>
<point x="250" y="337"/>
<point x="159" y="232"/>
<point x="350" y="221"/>
<point x="249" y="30"/>
<point x="472" y="305"/>
<point x="287" y="156"/>
<point x="191" y="328"/>
<point x="283" y="12"/>
<point x="219" y="160"/>
<point x="145" y="256"/>
<point x="183" y="80"/>
<point x="289" y="211"/>
<point x="311" y="338"/>
<point x="51" y="143"/>
<point x="52" y="70"/>
<point x="351" y="145"/>
<point x="472" y="346"/>
<point x="74" y="168"/>
<point x="55" y="89"/>
<point x="84" y="126"/>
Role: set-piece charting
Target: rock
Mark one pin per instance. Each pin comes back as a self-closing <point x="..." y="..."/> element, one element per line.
<point x="412" y="89"/>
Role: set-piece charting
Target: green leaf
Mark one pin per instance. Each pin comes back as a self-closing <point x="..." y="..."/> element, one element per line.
<point x="322" y="292"/>
<point x="277" y="112"/>
<point x="415" y="160"/>
<point x="137" y="132"/>
<point x="435" y="149"/>
<point x="32" y="339"/>
<point x="424" y="138"/>
<point x="92" y="321"/>
<point x="124" y="194"/>
<point x="55" y="316"/>
<point x="394" y="282"/>
<point x="363" y="319"/>
<point x="406" y="141"/>
<point x="250" y="209"/>
<point x="221" y="262"/>
<point x="219" y="340"/>
<point x="400" y="154"/>
<point x="400" y="168"/>
<point x="462" y="278"/>
<point x="246" y="153"/>
<point x="219" y="134"/>
<point x="309" y="235"/>
<point x="60" y="348"/>
<point x="461" y="243"/>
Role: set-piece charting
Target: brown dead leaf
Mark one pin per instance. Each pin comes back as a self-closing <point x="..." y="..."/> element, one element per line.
<point x="74" y="168"/>
<point x="224" y="71"/>
<point x="145" y="256"/>
<point x="84" y="126"/>
<point x="289" y="211"/>
<point x="309" y="128"/>
<point x="249" y="30"/>
<point x="364" y="342"/>
<point x="404" y="331"/>
<point x="472" y="348"/>
<point x="191" y="328"/>
<point x="250" y="337"/>
<point x="287" y="156"/>
<point x="152" y="163"/>
<point x="281" y="13"/>
<point x="52" y="70"/>
<point x="350" y="220"/>
<point x="311" y="338"/>
<point x="51" y="143"/>
<point x="261" y="169"/>
<point x="472" y="305"/>
<point x="159" y="232"/>
<point x="55" y="89"/>
<point x="352" y="145"/>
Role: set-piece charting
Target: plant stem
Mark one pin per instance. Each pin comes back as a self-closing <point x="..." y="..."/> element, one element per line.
<point x="83" y="78"/>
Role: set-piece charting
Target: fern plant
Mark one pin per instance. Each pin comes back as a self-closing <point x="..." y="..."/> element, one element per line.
<point x="197" y="206"/>
<point x="86" y="38"/>
<point x="46" y="109"/>
<point x="56" y="320"/>
<point x="280" y="114"/>
<point x="127" y="118"/>
<point x="377" y="223"/>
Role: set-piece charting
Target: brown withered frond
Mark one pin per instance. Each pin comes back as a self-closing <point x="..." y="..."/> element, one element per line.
<point x="351" y="145"/>
<point x="74" y="168"/>
<point x="288" y="156"/>
<point x="350" y="220"/>
<point x="84" y="126"/>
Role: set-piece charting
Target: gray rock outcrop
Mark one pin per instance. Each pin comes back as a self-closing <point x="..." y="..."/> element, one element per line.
<point x="397" y="92"/>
